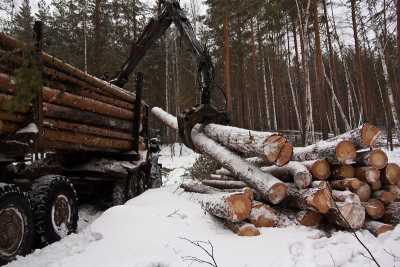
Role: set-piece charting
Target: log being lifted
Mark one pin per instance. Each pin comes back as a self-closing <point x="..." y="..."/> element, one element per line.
<point x="271" y="188"/>
<point x="341" y="148"/>
<point x="300" y="174"/>
<point x="271" y="147"/>
<point x="10" y="43"/>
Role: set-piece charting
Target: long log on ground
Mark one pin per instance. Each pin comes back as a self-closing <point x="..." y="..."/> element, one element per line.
<point x="385" y="196"/>
<point x="85" y="117"/>
<point x="343" y="171"/>
<point x="374" y="208"/>
<point x="262" y="215"/>
<point x="85" y="129"/>
<point x="391" y="175"/>
<point x="234" y="207"/>
<point x="341" y="151"/>
<point x="220" y="177"/>
<point x="370" y="175"/>
<point x="309" y="218"/>
<point x="377" y="228"/>
<point x="86" y="104"/>
<point x="320" y="169"/>
<point x="376" y="158"/>
<point x="87" y="140"/>
<point x="271" y="147"/>
<point x="242" y="228"/>
<point x="349" y="215"/>
<point x="317" y="199"/>
<point x="271" y="188"/>
<point x="225" y="184"/>
<point x="392" y="213"/>
<point x="300" y="174"/>
<point x="364" y="136"/>
<point x="10" y="43"/>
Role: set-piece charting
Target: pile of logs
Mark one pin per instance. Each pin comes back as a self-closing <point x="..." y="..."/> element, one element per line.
<point x="344" y="182"/>
<point x="77" y="112"/>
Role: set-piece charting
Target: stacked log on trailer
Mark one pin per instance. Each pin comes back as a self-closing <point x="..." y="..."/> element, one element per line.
<point x="78" y="112"/>
<point x="344" y="182"/>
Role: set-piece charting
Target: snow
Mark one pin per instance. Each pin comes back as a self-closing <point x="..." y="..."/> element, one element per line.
<point x="30" y="128"/>
<point x="149" y="231"/>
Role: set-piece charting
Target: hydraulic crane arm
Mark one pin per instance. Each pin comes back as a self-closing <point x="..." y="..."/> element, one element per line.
<point x="171" y="13"/>
<point x="203" y="113"/>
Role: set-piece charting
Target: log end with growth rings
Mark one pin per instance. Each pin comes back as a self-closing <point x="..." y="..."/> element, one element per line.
<point x="277" y="193"/>
<point x="321" y="169"/>
<point x="241" y="206"/>
<point x="377" y="159"/>
<point x="346" y="153"/>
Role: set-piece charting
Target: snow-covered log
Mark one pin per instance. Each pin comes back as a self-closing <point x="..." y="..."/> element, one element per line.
<point x="392" y="213"/>
<point x="336" y="151"/>
<point x="234" y="207"/>
<point x="299" y="173"/>
<point x="225" y="184"/>
<point x="221" y="177"/>
<point x="197" y="187"/>
<point x="345" y="196"/>
<point x="271" y="147"/>
<point x="363" y="137"/>
<point x="370" y="175"/>
<point x="385" y="196"/>
<point x="374" y="208"/>
<point x="377" y="228"/>
<point x="391" y="174"/>
<point x="317" y="199"/>
<point x="320" y="169"/>
<point x="271" y="188"/>
<point x="349" y="215"/>
<point x="376" y="158"/>
<point x="242" y="228"/>
<point x="309" y="218"/>
<point x="262" y="215"/>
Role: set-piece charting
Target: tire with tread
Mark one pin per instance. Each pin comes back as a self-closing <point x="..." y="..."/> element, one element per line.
<point x="55" y="207"/>
<point x="16" y="223"/>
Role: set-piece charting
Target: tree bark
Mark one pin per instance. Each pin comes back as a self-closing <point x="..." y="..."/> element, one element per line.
<point x="84" y="117"/>
<point x="225" y="184"/>
<point x="227" y="63"/>
<point x="299" y="173"/>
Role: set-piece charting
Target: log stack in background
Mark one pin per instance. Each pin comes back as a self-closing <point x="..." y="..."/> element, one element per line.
<point x="344" y="182"/>
<point x="80" y="111"/>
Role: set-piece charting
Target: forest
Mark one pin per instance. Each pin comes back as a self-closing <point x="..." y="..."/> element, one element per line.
<point x="311" y="66"/>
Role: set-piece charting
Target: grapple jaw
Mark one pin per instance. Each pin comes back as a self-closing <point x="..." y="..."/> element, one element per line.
<point x="204" y="114"/>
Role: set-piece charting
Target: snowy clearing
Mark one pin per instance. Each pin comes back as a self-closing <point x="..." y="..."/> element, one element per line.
<point x="150" y="230"/>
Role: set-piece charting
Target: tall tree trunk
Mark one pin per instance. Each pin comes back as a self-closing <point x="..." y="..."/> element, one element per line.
<point x="227" y="60"/>
<point x="97" y="37"/>
<point x="358" y="63"/>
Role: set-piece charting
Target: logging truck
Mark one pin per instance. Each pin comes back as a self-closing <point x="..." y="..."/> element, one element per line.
<point x="65" y="133"/>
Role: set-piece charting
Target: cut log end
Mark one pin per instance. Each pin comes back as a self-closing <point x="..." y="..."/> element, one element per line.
<point x="263" y="215"/>
<point x="321" y="169"/>
<point x="344" y="171"/>
<point x="346" y="152"/>
<point x="385" y="196"/>
<point x="392" y="174"/>
<point x="242" y="229"/>
<point x="322" y="200"/>
<point x="364" y="192"/>
<point x="374" y="208"/>
<point x="309" y="218"/>
<point x="277" y="193"/>
<point x="240" y="205"/>
<point x="377" y="159"/>
<point x="285" y="155"/>
<point x="378" y="228"/>
<point x="370" y="134"/>
<point x="353" y="213"/>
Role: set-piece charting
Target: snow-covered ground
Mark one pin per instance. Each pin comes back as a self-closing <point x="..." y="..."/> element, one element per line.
<point x="154" y="229"/>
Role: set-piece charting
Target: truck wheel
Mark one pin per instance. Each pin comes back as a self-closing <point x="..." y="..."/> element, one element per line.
<point x="16" y="223"/>
<point x="55" y="207"/>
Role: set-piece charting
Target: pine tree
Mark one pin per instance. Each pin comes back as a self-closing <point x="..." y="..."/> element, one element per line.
<point x="24" y="22"/>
